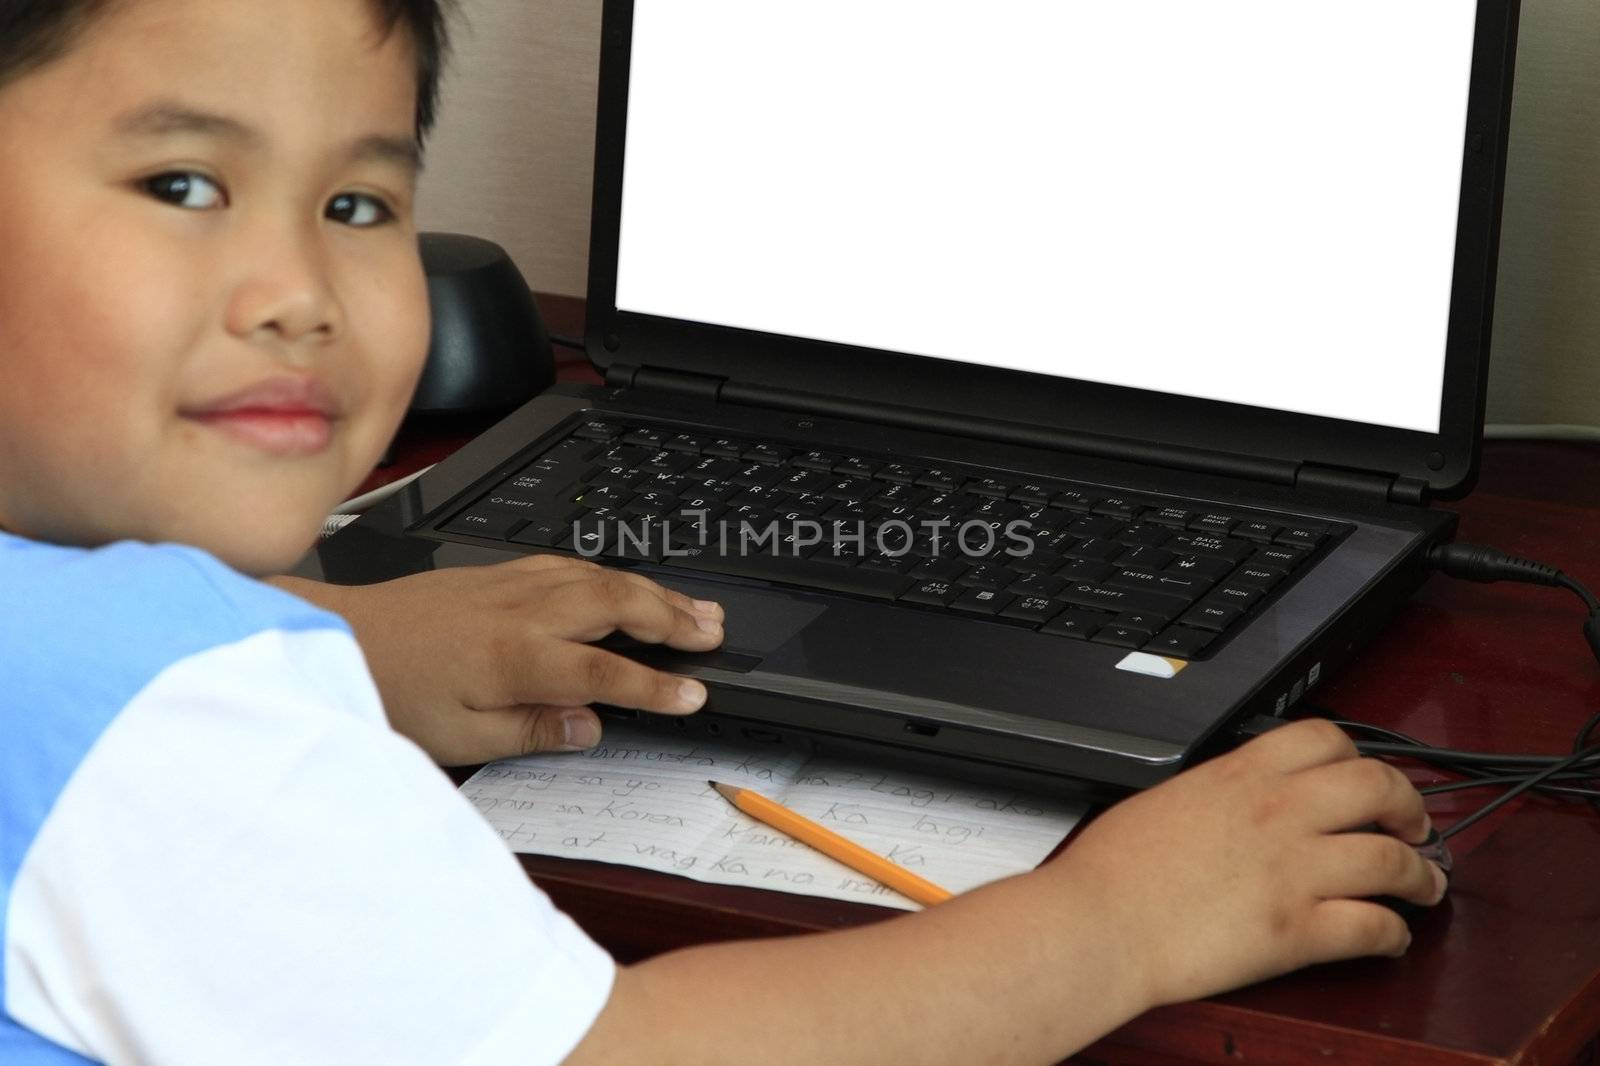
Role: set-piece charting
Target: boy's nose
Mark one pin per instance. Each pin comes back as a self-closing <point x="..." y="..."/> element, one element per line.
<point x="285" y="296"/>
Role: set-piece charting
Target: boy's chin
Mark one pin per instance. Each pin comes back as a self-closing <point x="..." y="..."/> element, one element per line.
<point x="271" y="553"/>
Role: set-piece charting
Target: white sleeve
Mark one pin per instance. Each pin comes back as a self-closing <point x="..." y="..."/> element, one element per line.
<point x="250" y="867"/>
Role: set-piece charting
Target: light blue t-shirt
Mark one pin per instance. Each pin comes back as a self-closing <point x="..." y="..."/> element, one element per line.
<point x="214" y="850"/>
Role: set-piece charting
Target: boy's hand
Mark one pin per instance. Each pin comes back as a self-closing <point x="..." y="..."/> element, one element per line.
<point x="1244" y="867"/>
<point x="480" y="663"/>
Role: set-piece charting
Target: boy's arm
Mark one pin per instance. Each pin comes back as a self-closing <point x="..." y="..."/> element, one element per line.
<point x="1231" y="873"/>
<point x="487" y="662"/>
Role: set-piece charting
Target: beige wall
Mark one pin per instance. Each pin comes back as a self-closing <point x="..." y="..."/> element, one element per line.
<point x="512" y="161"/>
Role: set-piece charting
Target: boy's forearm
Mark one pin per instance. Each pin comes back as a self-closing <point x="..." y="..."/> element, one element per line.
<point x="1027" y="970"/>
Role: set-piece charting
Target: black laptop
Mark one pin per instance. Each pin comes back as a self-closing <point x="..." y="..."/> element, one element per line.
<point x="1043" y="388"/>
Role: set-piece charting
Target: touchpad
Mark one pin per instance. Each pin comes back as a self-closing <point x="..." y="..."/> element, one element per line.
<point x="757" y="624"/>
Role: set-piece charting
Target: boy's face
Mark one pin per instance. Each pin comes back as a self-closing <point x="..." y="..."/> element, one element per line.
<point x="212" y="311"/>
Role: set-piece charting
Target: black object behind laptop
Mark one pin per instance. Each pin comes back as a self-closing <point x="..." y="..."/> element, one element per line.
<point x="1200" y="296"/>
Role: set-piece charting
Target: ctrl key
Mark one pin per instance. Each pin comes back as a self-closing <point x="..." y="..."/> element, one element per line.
<point x="494" y="525"/>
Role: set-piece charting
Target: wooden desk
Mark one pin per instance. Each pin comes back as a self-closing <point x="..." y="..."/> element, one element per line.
<point x="1506" y="971"/>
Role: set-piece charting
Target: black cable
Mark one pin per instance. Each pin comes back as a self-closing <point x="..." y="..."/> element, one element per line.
<point x="1426" y="753"/>
<point x="1512" y="793"/>
<point x="1520" y="771"/>
<point x="1479" y="562"/>
<point x="562" y="341"/>
<point x="1497" y="780"/>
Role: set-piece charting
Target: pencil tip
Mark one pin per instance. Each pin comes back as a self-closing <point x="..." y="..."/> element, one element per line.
<point x="727" y="791"/>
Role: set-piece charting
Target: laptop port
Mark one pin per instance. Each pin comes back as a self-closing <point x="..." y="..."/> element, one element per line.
<point x="922" y="729"/>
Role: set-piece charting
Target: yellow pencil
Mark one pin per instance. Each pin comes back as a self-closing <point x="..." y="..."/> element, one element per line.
<point x="833" y="845"/>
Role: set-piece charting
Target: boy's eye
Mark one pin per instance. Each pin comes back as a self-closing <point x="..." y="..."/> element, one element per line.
<point x="354" y="209"/>
<point x="192" y="191"/>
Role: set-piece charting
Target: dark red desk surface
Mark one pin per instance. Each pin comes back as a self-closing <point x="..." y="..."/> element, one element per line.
<point x="1508" y="970"/>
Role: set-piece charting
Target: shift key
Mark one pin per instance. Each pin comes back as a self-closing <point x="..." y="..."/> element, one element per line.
<point x="1106" y="598"/>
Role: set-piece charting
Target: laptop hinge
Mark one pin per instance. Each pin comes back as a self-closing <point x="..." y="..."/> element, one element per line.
<point x="1364" y="485"/>
<point x="678" y="382"/>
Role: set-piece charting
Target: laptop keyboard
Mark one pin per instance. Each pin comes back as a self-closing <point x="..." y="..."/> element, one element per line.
<point x="1131" y="570"/>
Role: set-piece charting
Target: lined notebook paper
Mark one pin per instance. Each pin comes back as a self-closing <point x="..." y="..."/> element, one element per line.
<point x="641" y="799"/>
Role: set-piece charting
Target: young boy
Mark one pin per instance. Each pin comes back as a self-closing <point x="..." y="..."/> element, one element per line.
<point x="213" y="846"/>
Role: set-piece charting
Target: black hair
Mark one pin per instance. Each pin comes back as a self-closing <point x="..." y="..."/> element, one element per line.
<point x="35" y="32"/>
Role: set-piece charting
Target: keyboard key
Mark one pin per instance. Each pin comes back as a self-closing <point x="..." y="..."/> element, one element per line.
<point x="1260" y="532"/>
<point x="571" y="450"/>
<point x="1207" y="544"/>
<point x="685" y="442"/>
<point x="1144" y="557"/>
<point x="988" y="576"/>
<point x="1150" y="621"/>
<point x="619" y="476"/>
<point x="893" y="564"/>
<point x="1085" y="570"/>
<point x="591" y="536"/>
<point x="1220" y="524"/>
<point x="645" y="438"/>
<point x="939" y="569"/>
<point x="1073" y="500"/>
<point x="1095" y="526"/>
<point x="1278" y="555"/>
<point x="545" y="531"/>
<point x="599" y="429"/>
<point x="1038" y="561"/>
<point x="988" y="486"/>
<point x="1035" y="609"/>
<point x="640" y="540"/>
<point x="1187" y="587"/>
<point x="1079" y="625"/>
<point x="1300" y="537"/>
<point x="981" y="601"/>
<point x="724" y="447"/>
<point x="1205" y="566"/>
<point x="1145" y="535"/>
<point x="665" y="462"/>
<point x="1176" y="517"/>
<point x="1212" y="616"/>
<point x="1242" y="596"/>
<point x="1121" y="636"/>
<point x="1118" y="507"/>
<point x="1095" y="549"/>
<point x="514" y="503"/>
<point x="757" y="475"/>
<point x="939" y="479"/>
<point x="850" y="466"/>
<point x="479" y="522"/>
<point x="1180" y="642"/>
<point x="932" y="593"/>
<point x="766" y="453"/>
<point x="899" y="494"/>
<point x="1262" y="577"/>
<point x="532" y="482"/>
<point x="1030" y="492"/>
<point x="1108" y="598"/>
<point x="899" y="473"/>
<point x="990" y="509"/>
<point x="605" y="496"/>
<point x="1036" y="585"/>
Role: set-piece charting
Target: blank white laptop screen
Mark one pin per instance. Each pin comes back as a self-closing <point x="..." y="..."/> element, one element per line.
<point x="1243" y="200"/>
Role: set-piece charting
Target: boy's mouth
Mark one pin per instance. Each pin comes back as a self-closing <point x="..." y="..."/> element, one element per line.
<point x="287" y="416"/>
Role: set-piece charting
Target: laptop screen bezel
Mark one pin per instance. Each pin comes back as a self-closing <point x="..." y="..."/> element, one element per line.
<point x="1446" y="461"/>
